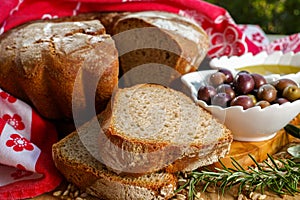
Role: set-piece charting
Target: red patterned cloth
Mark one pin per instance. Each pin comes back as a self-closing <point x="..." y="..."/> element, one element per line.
<point x="26" y="167"/>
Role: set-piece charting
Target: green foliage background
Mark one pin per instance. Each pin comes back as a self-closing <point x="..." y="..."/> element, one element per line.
<point x="274" y="16"/>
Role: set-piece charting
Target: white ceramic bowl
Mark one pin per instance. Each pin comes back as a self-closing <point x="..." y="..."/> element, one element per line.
<point x="251" y="61"/>
<point x="253" y="124"/>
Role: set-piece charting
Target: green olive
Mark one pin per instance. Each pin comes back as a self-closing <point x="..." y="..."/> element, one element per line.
<point x="291" y="93"/>
<point x="253" y="98"/>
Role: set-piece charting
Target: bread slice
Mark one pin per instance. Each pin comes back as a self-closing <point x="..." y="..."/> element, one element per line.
<point x="149" y="127"/>
<point x="158" y="41"/>
<point x="74" y="158"/>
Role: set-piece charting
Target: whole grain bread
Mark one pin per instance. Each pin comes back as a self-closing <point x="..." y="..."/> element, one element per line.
<point x="152" y="38"/>
<point x="149" y="127"/>
<point x="73" y="156"/>
<point x="40" y="61"/>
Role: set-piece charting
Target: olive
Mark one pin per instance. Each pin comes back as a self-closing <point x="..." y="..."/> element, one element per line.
<point x="252" y="97"/>
<point x="259" y="80"/>
<point x="263" y="103"/>
<point x="228" y="75"/>
<point x="205" y="93"/>
<point x="221" y="99"/>
<point x="281" y="100"/>
<point x="291" y="92"/>
<point x="282" y="83"/>
<point x="267" y="92"/>
<point x="242" y="100"/>
<point x="243" y="72"/>
<point x="243" y="83"/>
<point x="226" y="88"/>
<point x="217" y="78"/>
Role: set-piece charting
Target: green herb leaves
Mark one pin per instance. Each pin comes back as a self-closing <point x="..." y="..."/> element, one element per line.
<point x="279" y="176"/>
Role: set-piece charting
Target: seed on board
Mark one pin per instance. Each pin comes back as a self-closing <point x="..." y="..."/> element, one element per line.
<point x="76" y="193"/>
<point x="57" y="193"/>
<point x="66" y="192"/>
<point x="84" y="195"/>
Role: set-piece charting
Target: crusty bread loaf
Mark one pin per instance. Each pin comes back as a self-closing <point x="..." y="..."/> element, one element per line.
<point x="170" y="46"/>
<point x="160" y="38"/>
<point x="149" y="127"/>
<point x="78" y="165"/>
<point x="107" y="19"/>
<point x="40" y="61"/>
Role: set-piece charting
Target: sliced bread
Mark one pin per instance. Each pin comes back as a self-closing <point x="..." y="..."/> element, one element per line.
<point x="158" y="41"/>
<point x="75" y="161"/>
<point x="149" y="127"/>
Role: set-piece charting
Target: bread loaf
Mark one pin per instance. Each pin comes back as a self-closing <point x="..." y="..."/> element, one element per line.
<point x="156" y="41"/>
<point x="159" y="46"/>
<point x="149" y="127"/>
<point x="78" y="165"/>
<point x="40" y="62"/>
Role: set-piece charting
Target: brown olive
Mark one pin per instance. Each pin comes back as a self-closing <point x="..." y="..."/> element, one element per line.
<point x="228" y="75"/>
<point x="243" y="83"/>
<point x="221" y="99"/>
<point x="282" y="83"/>
<point x="243" y="72"/>
<point x="205" y="93"/>
<point x="263" y="103"/>
<point x="217" y="78"/>
<point x="242" y="100"/>
<point x="226" y="88"/>
<point x="281" y="100"/>
<point x="267" y="92"/>
<point x="291" y="92"/>
<point x="259" y="80"/>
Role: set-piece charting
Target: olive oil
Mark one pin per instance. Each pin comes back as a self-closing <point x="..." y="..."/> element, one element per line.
<point x="271" y="69"/>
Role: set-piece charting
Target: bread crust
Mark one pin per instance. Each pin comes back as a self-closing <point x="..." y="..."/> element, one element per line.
<point x="95" y="179"/>
<point x="40" y="61"/>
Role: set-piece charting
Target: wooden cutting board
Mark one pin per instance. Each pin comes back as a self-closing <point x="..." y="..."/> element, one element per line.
<point x="240" y="150"/>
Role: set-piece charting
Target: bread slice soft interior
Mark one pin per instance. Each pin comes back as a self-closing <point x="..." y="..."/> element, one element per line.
<point x="74" y="157"/>
<point x="151" y="39"/>
<point x="149" y="127"/>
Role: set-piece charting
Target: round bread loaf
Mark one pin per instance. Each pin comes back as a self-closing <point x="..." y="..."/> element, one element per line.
<point x="40" y="61"/>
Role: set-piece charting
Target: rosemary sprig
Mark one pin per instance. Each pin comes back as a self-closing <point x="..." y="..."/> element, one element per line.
<point x="281" y="177"/>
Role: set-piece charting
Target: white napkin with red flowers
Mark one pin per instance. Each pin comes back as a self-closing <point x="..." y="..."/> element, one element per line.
<point x="26" y="166"/>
